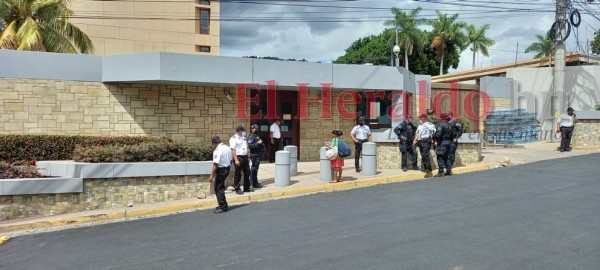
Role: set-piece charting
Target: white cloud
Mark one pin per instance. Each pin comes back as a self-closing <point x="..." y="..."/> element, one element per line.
<point x="314" y="41"/>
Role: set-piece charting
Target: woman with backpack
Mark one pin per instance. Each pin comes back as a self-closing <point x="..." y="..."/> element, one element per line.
<point x="338" y="163"/>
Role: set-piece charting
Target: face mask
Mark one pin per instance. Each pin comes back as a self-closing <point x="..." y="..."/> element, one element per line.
<point x="361" y="124"/>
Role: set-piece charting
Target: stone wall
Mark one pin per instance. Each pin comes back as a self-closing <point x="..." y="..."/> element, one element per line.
<point x="315" y="131"/>
<point x="586" y="133"/>
<point x="388" y="155"/>
<point x="106" y="194"/>
<point x="186" y="113"/>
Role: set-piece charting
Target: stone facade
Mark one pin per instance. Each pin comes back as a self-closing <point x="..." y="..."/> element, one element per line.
<point x="586" y="133"/>
<point x="106" y="194"/>
<point x="388" y="155"/>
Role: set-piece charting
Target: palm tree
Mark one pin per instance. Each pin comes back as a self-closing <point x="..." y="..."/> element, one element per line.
<point x="40" y="25"/>
<point x="410" y="37"/>
<point x="446" y="30"/>
<point x="544" y="47"/>
<point x="476" y="37"/>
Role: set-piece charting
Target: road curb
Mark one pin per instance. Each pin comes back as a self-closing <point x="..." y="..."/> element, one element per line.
<point x="587" y="148"/>
<point x="330" y="187"/>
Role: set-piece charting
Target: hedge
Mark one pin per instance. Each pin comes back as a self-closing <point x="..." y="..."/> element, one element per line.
<point x="56" y="147"/>
<point x="18" y="170"/>
<point x="145" y="152"/>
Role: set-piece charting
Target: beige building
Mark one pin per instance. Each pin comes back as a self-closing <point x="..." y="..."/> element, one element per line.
<point x="138" y="26"/>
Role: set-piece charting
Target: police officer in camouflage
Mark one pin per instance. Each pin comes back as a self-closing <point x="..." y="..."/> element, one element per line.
<point x="458" y="129"/>
<point x="443" y="137"/>
<point x="406" y="134"/>
<point x="257" y="148"/>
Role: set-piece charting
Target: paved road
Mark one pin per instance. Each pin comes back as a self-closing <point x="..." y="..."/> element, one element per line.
<point x="538" y="216"/>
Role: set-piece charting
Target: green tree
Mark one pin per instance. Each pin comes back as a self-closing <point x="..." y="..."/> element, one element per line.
<point x="377" y="49"/>
<point x="477" y="39"/>
<point x="543" y="47"/>
<point x="410" y="38"/>
<point x="40" y="25"/>
<point x="446" y="30"/>
<point x="596" y="43"/>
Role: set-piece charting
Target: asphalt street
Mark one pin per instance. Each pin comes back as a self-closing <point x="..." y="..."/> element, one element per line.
<point x="543" y="215"/>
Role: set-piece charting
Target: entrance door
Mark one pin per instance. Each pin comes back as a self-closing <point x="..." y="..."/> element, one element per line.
<point x="286" y="105"/>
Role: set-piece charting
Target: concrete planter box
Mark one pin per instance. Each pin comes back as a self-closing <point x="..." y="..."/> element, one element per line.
<point x="120" y="170"/>
<point x="24" y="186"/>
<point x="388" y="136"/>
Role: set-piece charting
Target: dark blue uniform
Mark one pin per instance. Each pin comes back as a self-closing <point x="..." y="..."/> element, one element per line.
<point x="406" y="134"/>
<point x="256" y="153"/>
<point x="444" y="136"/>
<point x="458" y="130"/>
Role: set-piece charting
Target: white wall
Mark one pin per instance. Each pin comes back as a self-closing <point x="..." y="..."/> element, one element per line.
<point x="535" y="91"/>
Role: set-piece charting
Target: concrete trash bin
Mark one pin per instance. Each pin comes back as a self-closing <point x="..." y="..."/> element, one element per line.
<point x="369" y="159"/>
<point x="325" y="166"/>
<point x="282" y="168"/>
<point x="293" y="159"/>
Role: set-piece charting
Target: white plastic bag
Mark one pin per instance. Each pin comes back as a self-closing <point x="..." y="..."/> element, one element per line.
<point x="332" y="153"/>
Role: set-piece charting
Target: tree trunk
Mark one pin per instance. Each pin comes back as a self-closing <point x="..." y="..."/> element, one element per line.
<point x="473" y="57"/>
<point x="406" y="60"/>
<point x="550" y="62"/>
<point x="442" y="64"/>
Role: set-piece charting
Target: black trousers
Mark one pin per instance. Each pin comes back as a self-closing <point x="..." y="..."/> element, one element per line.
<point x="244" y="167"/>
<point x="358" y="152"/>
<point x="219" y="186"/>
<point x="443" y="156"/>
<point x="565" y="141"/>
<point x="453" y="148"/>
<point x="275" y="146"/>
<point x="255" y="158"/>
<point x="405" y="149"/>
<point x="424" y="148"/>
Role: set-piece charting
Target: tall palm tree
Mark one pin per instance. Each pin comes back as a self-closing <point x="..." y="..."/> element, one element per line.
<point x="410" y="37"/>
<point x="544" y="47"/>
<point x="477" y="39"/>
<point x="40" y="25"/>
<point x="446" y="30"/>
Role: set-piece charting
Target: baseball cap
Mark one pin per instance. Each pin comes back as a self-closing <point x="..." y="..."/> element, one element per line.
<point x="255" y="126"/>
<point x="240" y="128"/>
<point x="423" y="116"/>
<point x="216" y="139"/>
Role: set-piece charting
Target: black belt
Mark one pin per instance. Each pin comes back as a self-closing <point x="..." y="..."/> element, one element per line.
<point x="223" y="168"/>
<point x="566" y="127"/>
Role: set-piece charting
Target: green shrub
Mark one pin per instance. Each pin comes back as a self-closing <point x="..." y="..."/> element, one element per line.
<point x="145" y="152"/>
<point x="597" y="107"/>
<point x="434" y="119"/>
<point x="22" y="170"/>
<point x="55" y="147"/>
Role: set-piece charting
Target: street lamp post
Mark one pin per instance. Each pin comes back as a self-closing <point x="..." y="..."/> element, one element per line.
<point x="396" y="49"/>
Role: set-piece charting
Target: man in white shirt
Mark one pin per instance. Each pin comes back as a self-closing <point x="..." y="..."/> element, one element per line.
<point x="360" y="134"/>
<point x="241" y="156"/>
<point x="275" y="136"/>
<point x="423" y="140"/>
<point x="221" y="166"/>
<point x="564" y="126"/>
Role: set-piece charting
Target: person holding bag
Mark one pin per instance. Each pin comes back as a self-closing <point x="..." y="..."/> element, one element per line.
<point x="338" y="163"/>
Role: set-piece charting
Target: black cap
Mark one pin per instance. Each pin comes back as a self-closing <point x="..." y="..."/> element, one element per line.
<point x="255" y="126"/>
<point x="216" y="139"/>
<point x="240" y="128"/>
<point x="570" y="109"/>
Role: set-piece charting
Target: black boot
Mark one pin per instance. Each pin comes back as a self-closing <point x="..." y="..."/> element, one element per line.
<point x="440" y="173"/>
<point x="404" y="169"/>
<point x="448" y="172"/>
<point x="416" y="168"/>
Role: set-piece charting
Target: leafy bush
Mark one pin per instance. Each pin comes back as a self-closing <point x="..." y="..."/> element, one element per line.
<point x="597" y="107"/>
<point x="145" y="152"/>
<point x="18" y="170"/>
<point x="55" y="147"/>
<point x="434" y="119"/>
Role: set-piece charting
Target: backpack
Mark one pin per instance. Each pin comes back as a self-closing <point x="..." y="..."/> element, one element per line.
<point x="343" y="149"/>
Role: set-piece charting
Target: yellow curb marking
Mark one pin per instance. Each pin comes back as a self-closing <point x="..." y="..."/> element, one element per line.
<point x="3" y="239"/>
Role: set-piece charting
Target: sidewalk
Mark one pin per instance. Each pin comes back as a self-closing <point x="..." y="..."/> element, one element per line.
<point x="306" y="182"/>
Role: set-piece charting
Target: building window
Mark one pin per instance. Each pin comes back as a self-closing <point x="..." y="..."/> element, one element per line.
<point x="375" y="112"/>
<point x="202" y="2"/>
<point x="204" y="21"/>
<point x="204" y="49"/>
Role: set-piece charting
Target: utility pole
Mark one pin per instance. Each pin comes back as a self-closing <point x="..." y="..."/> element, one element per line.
<point x="559" y="64"/>
<point x="517" y="54"/>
